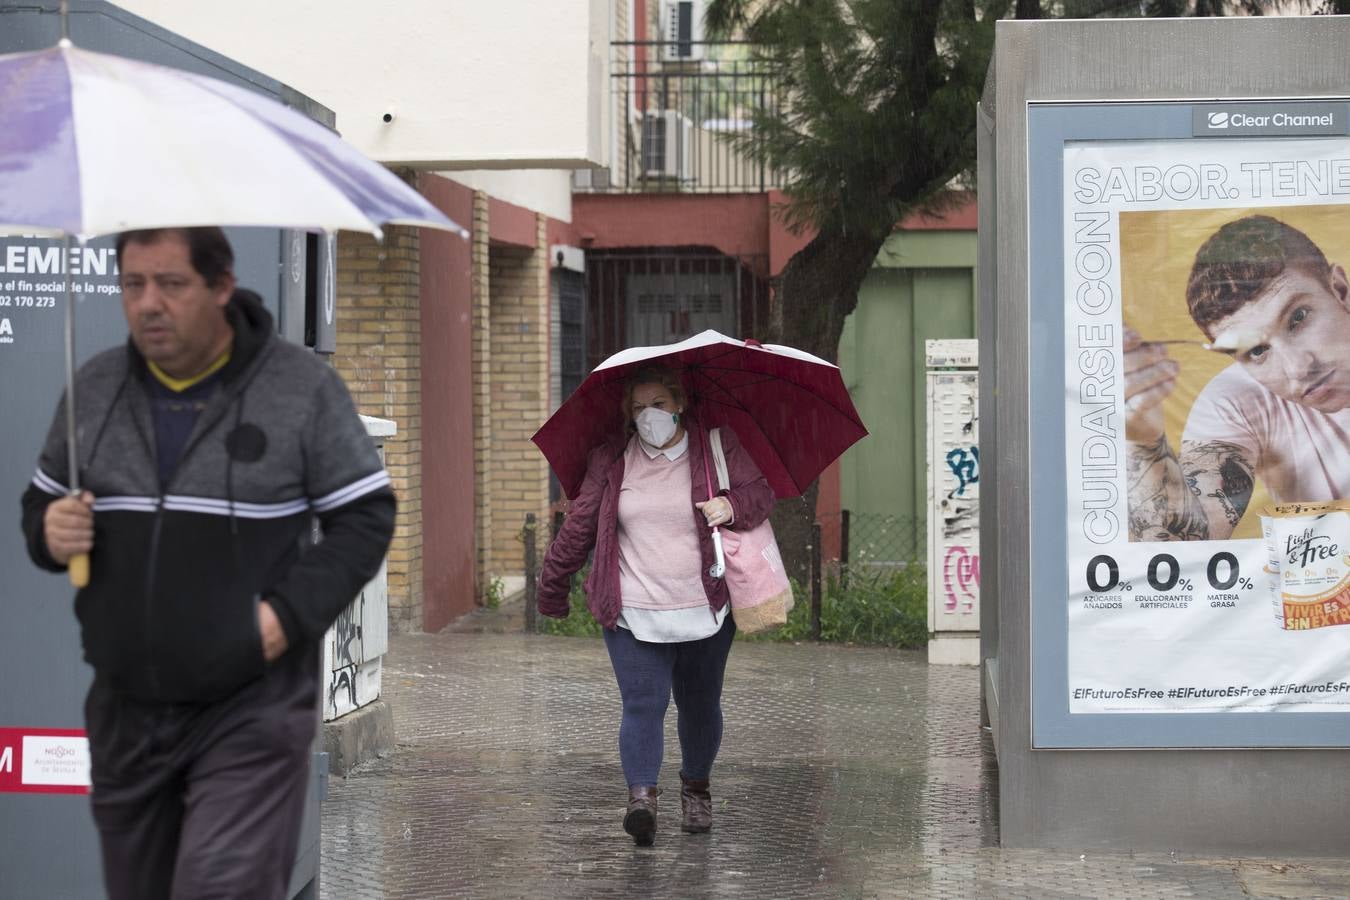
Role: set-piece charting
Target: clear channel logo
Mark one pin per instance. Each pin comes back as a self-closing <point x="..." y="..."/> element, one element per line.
<point x="1274" y="118"/>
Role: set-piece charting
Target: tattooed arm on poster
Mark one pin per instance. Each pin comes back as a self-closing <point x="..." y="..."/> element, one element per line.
<point x="1200" y="496"/>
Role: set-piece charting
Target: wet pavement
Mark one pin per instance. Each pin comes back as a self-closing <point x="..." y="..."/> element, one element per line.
<point x="844" y="772"/>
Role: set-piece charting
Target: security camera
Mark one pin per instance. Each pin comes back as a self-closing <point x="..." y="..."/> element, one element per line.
<point x="388" y="116"/>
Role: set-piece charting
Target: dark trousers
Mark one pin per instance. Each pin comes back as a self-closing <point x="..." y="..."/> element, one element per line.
<point x="203" y="801"/>
<point x="648" y="674"/>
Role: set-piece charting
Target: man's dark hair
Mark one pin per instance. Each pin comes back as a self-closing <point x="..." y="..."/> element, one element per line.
<point x="208" y="248"/>
<point x="1240" y="260"/>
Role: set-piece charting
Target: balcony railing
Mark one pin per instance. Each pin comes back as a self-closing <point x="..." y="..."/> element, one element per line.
<point x="674" y="105"/>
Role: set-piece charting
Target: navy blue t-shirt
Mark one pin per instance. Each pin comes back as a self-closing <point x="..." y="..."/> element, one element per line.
<point x="175" y="414"/>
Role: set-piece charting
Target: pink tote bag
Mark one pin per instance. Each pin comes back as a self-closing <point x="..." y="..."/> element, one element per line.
<point x="761" y="595"/>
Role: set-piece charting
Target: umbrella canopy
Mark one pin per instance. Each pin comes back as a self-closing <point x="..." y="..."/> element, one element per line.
<point x="790" y="409"/>
<point x="92" y="144"/>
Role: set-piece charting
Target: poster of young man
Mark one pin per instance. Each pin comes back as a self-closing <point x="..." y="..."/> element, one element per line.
<point x="1207" y="377"/>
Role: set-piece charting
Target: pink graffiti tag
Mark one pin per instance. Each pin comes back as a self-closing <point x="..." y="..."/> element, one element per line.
<point x="961" y="578"/>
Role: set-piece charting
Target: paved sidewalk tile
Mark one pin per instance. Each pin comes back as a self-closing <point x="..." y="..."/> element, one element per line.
<point x="844" y="772"/>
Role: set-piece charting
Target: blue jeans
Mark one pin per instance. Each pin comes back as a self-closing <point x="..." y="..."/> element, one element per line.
<point x="648" y="674"/>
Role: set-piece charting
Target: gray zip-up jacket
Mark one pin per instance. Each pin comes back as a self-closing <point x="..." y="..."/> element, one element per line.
<point x="176" y="574"/>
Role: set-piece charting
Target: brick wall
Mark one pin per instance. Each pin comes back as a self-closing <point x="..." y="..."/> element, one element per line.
<point x="379" y="347"/>
<point x="518" y="396"/>
<point x="378" y="355"/>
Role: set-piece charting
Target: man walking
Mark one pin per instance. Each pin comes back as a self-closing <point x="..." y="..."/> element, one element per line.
<point x="207" y="445"/>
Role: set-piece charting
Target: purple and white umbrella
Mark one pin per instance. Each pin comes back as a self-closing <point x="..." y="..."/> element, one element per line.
<point x="92" y="144"/>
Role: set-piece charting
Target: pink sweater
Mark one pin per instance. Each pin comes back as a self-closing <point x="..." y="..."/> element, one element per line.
<point x="659" y="559"/>
<point x="592" y="523"/>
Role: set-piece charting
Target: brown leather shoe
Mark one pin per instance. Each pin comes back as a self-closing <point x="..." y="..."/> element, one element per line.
<point x="696" y="806"/>
<point x="640" y="821"/>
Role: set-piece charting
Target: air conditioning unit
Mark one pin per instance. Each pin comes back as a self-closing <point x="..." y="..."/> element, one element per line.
<point x="682" y="30"/>
<point x="667" y="145"/>
<point x="590" y="179"/>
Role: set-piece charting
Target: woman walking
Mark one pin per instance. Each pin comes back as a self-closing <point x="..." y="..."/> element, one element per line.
<point x="644" y="507"/>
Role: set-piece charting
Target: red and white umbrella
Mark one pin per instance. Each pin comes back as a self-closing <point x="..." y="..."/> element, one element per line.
<point x="790" y="410"/>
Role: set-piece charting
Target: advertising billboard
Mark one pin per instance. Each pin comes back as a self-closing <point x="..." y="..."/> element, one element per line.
<point x="1203" y="320"/>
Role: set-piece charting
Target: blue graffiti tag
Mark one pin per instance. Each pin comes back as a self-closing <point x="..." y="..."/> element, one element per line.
<point x="965" y="465"/>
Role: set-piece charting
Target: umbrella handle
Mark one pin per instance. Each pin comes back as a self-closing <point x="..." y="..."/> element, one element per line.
<point x="78" y="568"/>
<point x="718" y="568"/>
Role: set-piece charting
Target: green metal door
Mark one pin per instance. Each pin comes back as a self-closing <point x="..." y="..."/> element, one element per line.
<point x="922" y="286"/>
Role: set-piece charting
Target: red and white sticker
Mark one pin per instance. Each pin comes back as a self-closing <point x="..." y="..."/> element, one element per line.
<point x="44" y="761"/>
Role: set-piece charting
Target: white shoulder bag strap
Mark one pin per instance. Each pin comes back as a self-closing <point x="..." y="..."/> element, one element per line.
<point x="719" y="566"/>
<point x="719" y="459"/>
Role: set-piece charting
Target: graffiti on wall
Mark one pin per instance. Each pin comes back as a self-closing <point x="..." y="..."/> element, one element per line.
<point x="956" y="455"/>
<point x="961" y="580"/>
<point x="346" y="649"/>
<point x="960" y="507"/>
<point x="965" y="465"/>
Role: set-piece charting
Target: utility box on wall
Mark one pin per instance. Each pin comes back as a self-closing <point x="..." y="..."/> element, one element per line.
<point x="354" y="648"/>
<point x="953" y="502"/>
<point x="1141" y="694"/>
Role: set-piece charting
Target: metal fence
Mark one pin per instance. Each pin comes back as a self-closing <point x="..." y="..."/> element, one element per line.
<point x="870" y="547"/>
<point x="876" y="541"/>
<point x="674" y="105"/>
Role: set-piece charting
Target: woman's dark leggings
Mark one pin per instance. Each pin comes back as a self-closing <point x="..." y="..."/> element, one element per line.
<point x="648" y="674"/>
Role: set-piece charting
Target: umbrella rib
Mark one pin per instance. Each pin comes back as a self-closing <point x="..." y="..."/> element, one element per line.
<point x="760" y="429"/>
<point x="853" y="418"/>
<point x="727" y="351"/>
<point x="737" y="404"/>
<point x="757" y="378"/>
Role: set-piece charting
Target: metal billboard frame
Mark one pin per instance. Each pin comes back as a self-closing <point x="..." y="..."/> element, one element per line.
<point x="1050" y="126"/>
<point x="1263" y="801"/>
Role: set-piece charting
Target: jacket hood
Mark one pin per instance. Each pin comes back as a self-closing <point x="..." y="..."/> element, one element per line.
<point x="253" y="328"/>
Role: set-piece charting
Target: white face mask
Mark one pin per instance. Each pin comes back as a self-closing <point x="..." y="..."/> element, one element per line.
<point x="656" y="426"/>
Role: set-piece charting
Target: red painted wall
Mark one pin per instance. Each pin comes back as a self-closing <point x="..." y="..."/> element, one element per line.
<point x="829" y="502"/>
<point x="782" y="242"/>
<point x="560" y="232"/>
<point x="962" y="215"/>
<point x="447" y="410"/>
<point x="735" y="224"/>
<point x="511" y="225"/>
